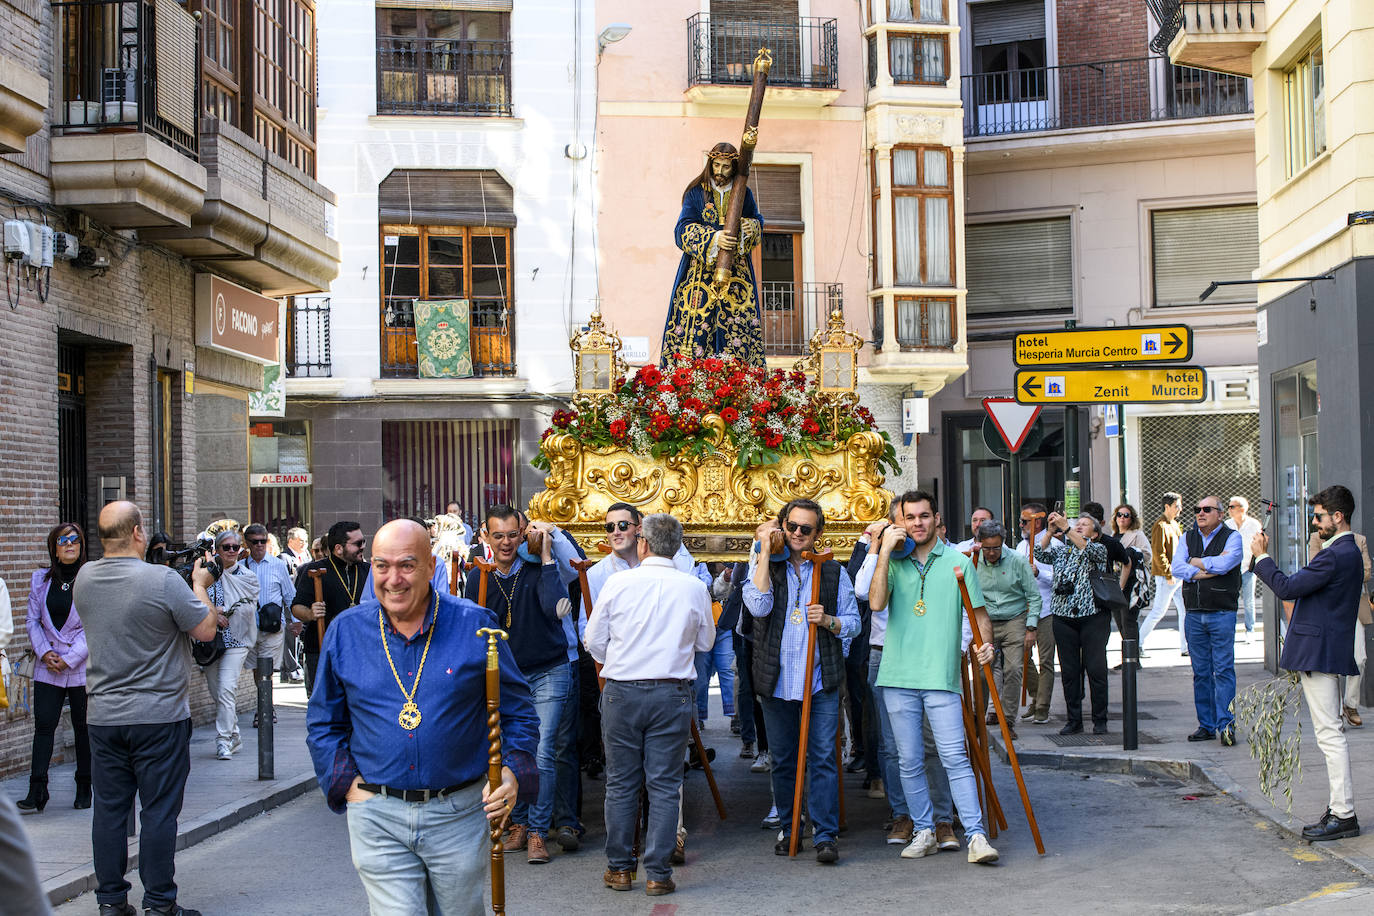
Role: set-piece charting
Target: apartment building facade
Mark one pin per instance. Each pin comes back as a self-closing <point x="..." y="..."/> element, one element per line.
<point x="1108" y="187"/>
<point x="157" y="175"/>
<point x="457" y="136"/>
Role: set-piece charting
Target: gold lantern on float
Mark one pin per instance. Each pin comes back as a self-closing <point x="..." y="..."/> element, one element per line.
<point x="596" y="358"/>
<point x="834" y="361"/>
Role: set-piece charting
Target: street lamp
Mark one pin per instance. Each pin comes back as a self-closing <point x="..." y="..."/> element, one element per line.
<point x="611" y="34"/>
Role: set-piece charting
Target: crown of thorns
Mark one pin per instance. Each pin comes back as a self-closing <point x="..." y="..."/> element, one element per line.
<point x="717" y="155"/>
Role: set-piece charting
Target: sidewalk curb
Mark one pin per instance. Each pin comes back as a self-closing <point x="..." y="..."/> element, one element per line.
<point x="76" y="881"/>
<point x="1211" y="775"/>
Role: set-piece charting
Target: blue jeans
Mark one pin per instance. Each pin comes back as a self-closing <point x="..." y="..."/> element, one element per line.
<point x="1212" y="650"/>
<point x="1247" y="599"/>
<point x="783" y="718"/>
<point x="909" y="709"/>
<point x="567" y="800"/>
<point x="744" y="692"/>
<point x="887" y="750"/>
<point x="720" y="660"/>
<point x="421" y="857"/>
<point x="644" y="726"/>
<point x="549" y="690"/>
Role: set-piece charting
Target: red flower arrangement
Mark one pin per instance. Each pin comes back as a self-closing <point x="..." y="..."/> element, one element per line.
<point x="767" y="413"/>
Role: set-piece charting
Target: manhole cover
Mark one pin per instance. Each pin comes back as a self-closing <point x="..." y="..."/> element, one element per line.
<point x="1087" y="740"/>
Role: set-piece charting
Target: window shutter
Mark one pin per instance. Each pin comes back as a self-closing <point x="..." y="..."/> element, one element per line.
<point x="777" y="191"/>
<point x="1009" y="20"/>
<point x="436" y="197"/>
<point x="1194" y="247"/>
<point x="1025" y="266"/>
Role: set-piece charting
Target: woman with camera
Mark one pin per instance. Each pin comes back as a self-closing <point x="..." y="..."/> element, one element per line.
<point x="232" y="590"/>
<point x="59" y="641"/>
<point x="1080" y="627"/>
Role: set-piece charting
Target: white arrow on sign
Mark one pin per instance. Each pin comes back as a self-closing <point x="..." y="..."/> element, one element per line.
<point x="1013" y="420"/>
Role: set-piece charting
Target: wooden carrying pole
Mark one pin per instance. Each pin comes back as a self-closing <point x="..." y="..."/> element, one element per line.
<point x="725" y="260"/>
<point x="484" y="568"/>
<point x="497" y="826"/>
<point x="317" y="577"/>
<point x="453" y="567"/>
<point x="805" y="735"/>
<point x="1001" y="717"/>
<point x="982" y="766"/>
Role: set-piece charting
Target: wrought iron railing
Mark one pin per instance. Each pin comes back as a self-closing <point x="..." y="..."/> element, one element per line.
<point x="307" y="337"/>
<point x="489" y="340"/>
<point x="1219" y="15"/>
<point x="792" y="312"/>
<point x="721" y="51"/>
<point x="925" y="323"/>
<point x="443" y="76"/>
<point x="1098" y="94"/>
<point x="119" y="74"/>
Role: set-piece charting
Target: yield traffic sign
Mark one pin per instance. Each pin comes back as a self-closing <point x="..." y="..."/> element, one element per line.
<point x="1144" y="385"/>
<point x="1163" y="343"/>
<point x="1012" y="420"/>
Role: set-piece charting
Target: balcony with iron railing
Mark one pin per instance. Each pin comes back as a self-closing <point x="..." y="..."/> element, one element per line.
<point x="792" y="312"/>
<point x="307" y="337"/>
<point x="721" y="51"/>
<point x="926" y="330"/>
<point x="489" y="340"/>
<point x="1098" y="94"/>
<point x="126" y="139"/>
<point x="433" y="76"/>
<point x="922" y="323"/>
<point x="1217" y="35"/>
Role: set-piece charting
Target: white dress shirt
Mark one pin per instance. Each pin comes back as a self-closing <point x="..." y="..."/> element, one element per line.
<point x="649" y="622"/>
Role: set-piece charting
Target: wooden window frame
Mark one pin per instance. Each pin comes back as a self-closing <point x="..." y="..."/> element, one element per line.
<point x="921" y="191"/>
<point x="916" y="79"/>
<point x="915" y="13"/>
<point x="468" y="233"/>
<point x="1299" y="110"/>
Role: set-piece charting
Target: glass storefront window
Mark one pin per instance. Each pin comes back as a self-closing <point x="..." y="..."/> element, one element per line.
<point x="1295" y="404"/>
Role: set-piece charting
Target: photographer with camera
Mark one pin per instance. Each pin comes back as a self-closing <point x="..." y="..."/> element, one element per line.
<point x="275" y="591"/>
<point x="1080" y="627"/>
<point x="231" y="589"/>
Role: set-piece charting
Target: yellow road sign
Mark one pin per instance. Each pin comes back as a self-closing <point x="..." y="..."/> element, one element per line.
<point x="1163" y="343"/>
<point x="1152" y="385"/>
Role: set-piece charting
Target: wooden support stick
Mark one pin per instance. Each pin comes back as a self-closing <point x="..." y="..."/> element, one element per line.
<point x="484" y="568"/>
<point x="498" y="860"/>
<point x="975" y="748"/>
<point x="1001" y="717"/>
<point x="706" y="768"/>
<point x="982" y="768"/>
<point x="317" y="577"/>
<point x="453" y="567"/>
<point x="805" y="734"/>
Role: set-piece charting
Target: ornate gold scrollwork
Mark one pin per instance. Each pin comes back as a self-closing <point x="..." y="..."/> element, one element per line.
<point x="805" y="482"/>
<point x="625" y="483"/>
<point x="687" y="481"/>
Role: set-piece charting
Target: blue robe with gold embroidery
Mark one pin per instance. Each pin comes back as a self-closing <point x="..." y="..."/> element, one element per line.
<point x="700" y="324"/>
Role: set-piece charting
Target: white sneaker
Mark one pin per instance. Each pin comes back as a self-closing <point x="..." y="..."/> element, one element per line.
<point x="763" y="763"/>
<point x="980" y="851"/>
<point x="236" y="745"/>
<point x="222" y="751"/>
<point x="876" y="790"/>
<point x="922" y="844"/>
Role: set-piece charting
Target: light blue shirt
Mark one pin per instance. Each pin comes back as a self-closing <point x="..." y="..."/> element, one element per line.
<point x="1219" y="565"/>
<point x="274" y="581"/>
<point x="792" y="654"/>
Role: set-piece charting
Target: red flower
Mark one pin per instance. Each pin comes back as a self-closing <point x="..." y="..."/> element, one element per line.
<point x="667" y="388"/>
<point x="713" y="365"/>
<point x="773" y="440"/>
<point x="618" y="429"/>
<point x="729" y="415"/>
<point x="724" y="392"/>
<point x="811" y="426"/>
<point x="650" y="376"/>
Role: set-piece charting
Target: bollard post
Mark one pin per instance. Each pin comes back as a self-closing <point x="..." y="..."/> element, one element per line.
<point x="262" y="674"/>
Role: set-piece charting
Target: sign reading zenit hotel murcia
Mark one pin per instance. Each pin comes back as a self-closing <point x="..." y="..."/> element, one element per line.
<point x="235" y="320"/>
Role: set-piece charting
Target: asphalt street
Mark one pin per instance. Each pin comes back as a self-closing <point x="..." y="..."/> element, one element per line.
<point x="1114" y="844"/>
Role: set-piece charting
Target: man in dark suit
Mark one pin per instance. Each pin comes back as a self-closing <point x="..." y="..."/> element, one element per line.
<point x="1321" y="634"/>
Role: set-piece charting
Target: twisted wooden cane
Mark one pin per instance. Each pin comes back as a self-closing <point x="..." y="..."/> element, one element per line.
<point x="495" y="827"/>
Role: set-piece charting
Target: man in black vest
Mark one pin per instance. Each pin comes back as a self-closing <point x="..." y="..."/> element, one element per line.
<point x="778" y="597"/>
<point x="1207" y="560"/>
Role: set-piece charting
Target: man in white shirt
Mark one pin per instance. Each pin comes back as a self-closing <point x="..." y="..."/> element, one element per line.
<point x="1039" y="676"/>
<point x="1238" y="518"/>
<point x="976" y="518"/>
<point x="648" y="624"/>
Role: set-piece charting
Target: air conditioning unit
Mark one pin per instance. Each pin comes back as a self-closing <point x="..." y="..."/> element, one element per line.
<point x="17" y="244"/>
<point x="40" y="245"/>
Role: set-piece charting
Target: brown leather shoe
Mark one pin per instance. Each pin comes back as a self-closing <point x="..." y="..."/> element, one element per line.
<point x="945" y="837"/>
<point x="536" y="853"/>
<point x="617" y="880"/>
<point x="900" y="833"/>
<point x="659" y="888"/>
<point x="1352" y="715"/>
<point x="679" y="854"/>
<point x="516" y="835"/>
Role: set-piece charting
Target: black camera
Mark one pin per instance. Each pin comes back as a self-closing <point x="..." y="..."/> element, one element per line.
<point x="1063" y="587"/>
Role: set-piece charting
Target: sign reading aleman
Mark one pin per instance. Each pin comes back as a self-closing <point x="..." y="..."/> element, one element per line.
<point x="236" y="321"/>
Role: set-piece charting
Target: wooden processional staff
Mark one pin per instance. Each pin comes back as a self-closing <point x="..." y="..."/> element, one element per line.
<point x="803" y="740"/>
<point x="498" y="859"/>
<point x="1001" y="716"/>
<point x="317" y="577"/>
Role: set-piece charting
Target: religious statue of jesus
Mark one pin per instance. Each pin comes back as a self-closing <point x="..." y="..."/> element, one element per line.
<point x="706" y="319"/>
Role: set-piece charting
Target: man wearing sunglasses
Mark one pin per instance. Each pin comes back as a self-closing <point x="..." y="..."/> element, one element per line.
<point x="275" y="591"/>
<point x="778" y="597"/>
<point x="345" y="576"/>
<point x="1207" y="562"/>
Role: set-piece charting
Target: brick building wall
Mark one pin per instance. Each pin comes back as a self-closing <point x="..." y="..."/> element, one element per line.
<point x="1093" y="30"/>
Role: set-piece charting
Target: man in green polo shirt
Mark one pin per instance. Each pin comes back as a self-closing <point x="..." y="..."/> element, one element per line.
<point x="1013" y="602"/>
<point x="921" y="664"/>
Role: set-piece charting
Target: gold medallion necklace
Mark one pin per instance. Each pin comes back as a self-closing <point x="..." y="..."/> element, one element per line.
<point x="351" y="591"/>
<point x="410" y="713"/>
<point x="920" y="606"/>
<point x="796" y="615"/>
<point x="509" y="596"/>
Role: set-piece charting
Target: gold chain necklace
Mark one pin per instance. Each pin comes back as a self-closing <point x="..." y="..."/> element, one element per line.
<point x="351" y="591"/>
<point x="410" y="713"/>
<point x="920" y="606"/>
<point x="509" y="596"/>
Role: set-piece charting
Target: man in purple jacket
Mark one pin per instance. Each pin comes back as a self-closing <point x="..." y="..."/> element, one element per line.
<point x="1321" y="636"/>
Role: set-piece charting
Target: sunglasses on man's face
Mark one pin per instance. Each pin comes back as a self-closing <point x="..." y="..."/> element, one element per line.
<point x="793" y="528"/>
<point x="618" y="526"/>
<point x="68" y="539"/>
<point x="257" y="542"/>
<point x="1203" y="510"/>
<point x="229" y="548"/>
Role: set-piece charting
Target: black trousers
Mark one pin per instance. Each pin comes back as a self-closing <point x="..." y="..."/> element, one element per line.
<point x="152" y="761"/>
<point x="1082" y="646"/>
<point x="47" y="712"/>
<point x="312" y="664"/>
<point x="746" y="703"/>
<point x="589" y="706"/>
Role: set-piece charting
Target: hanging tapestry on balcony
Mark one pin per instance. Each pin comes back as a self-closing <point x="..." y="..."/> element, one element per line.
<point x="441" y="336"/>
